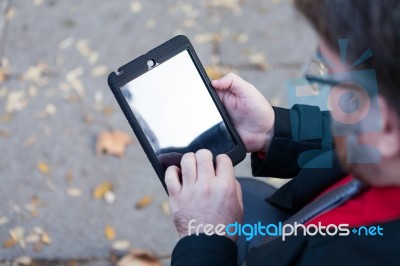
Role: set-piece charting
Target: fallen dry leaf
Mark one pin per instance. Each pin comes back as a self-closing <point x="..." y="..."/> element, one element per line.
<point x="136" y="7"/>
<point x="38" y="246"/>
<point x="3" y="220"/>
<point x="207" y="38"/>
<point x="113" y="143"/>
<point x="9" y="243"/>
<point x="166" y="209"/>
<point x="109" y="232"/>
<point x="45" y="238"/>
<point x="23" y="261"/>
<point x="4" y="74"/>
<point x="36" y="73"/>
<point x="139" y="257"/>
<point x="43" y="167"/>
<point x="10" y="13"/>
<point x="6" y="118"/>
<point x="16" y="101"/>
<point x="66" y="43"/>
<point x="258" y="60"/>
<point x="69" y="177"/>
<point x="241" y="37"/>
<point x="110" y="197"/>
<point x="32" y="238"/>
<point x="214" y="72"/>
<point x="99" y="71"/>
<point x="74" y="192"/>
<point x="17" y="234"/>
<point x="144" y="202"/>
<point x="38" y="2"/>
<point x="121" y="245"/>
<point x="100" y="191"/>
<point x="51" y="109"/>
<point x="107" y="111"/>
<point x="30" y="141"/>
<point x="5" y="133"/>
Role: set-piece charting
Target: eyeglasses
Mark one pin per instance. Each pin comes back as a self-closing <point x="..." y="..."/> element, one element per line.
<point x="316" y="69"/>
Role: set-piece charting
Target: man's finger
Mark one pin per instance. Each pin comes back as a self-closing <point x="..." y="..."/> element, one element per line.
<point x="231" y="82"/>
<point x="188" y="168"/>
<point x="172" y="182"/>
<point x="205" y="167"/>
<point x="224" y="167"/>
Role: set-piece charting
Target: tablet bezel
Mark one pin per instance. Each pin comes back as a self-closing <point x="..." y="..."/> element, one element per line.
<point x="138" y="67"/>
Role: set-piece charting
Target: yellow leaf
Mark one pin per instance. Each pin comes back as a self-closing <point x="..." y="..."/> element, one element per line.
<point x="214" y="72"/>
<point x="109" y="232"/>
<point x="136" y="7"/>
<point x="144" y="202"/>
<point x="45" y="238"/>
<point x="9" y="243"/>
<point x="100" y="191"/>
<point x="99" y="71"/>
<point x="113" y="143"/>
<point x="43" y="167"/>
<point x="165" y="207"/>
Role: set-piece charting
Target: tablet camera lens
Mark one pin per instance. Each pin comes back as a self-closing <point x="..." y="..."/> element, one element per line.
<point x="151" y="63"/>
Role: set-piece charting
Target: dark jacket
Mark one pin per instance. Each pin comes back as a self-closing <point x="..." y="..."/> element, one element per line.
<point x="302" y="148"/>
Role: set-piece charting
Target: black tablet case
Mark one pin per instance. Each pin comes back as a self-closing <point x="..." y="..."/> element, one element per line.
<point x="138" y="67"/>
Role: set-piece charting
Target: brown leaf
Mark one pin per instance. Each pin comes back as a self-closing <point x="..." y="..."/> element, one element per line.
<point x="214" y="72"/>
<point x="43" y="167"/>
<point x="144" y="202"/>
<point x="6" y="118"/>
<point x="9" y="243"/>
<point x="69" y="177"/>
<point x="100" y="191"/>
<point x="45" y="238"/>
<point x="3" y="74"/>
<point x="139" y="257"/>
<point x="38" y="246"/>
<point x="109" y="232"/>
<point x="107" y="111"/>
<point x="113" y="143"/>
<point x="5" y="133"/>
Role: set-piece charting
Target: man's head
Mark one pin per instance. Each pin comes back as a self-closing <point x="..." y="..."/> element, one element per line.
<point x="367" y="24"/>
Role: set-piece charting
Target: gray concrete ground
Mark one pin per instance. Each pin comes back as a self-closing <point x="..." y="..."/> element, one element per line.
<point x="55" y="101"/>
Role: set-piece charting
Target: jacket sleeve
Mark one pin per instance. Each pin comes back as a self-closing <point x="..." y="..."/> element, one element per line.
<point x="204" y="250"/>
<point x="301" y="134"/>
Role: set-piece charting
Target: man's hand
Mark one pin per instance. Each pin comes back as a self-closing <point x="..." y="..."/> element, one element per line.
<point x="251" y="114"/>
<point x="206" y="195"/>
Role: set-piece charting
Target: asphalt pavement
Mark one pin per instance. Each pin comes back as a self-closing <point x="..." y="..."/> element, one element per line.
<point x="55" y="101"/>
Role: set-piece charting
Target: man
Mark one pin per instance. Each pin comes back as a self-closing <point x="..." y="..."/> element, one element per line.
<point x="277" y="138"/>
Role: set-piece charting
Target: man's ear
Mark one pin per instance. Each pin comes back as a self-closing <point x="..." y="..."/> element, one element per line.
<point x="389" y="137"/>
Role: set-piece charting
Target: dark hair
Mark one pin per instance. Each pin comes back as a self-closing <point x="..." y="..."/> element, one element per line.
<point x="373" y="24"/>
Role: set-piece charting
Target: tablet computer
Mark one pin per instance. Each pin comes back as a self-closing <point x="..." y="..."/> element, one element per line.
<point x="172" y="108"/>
